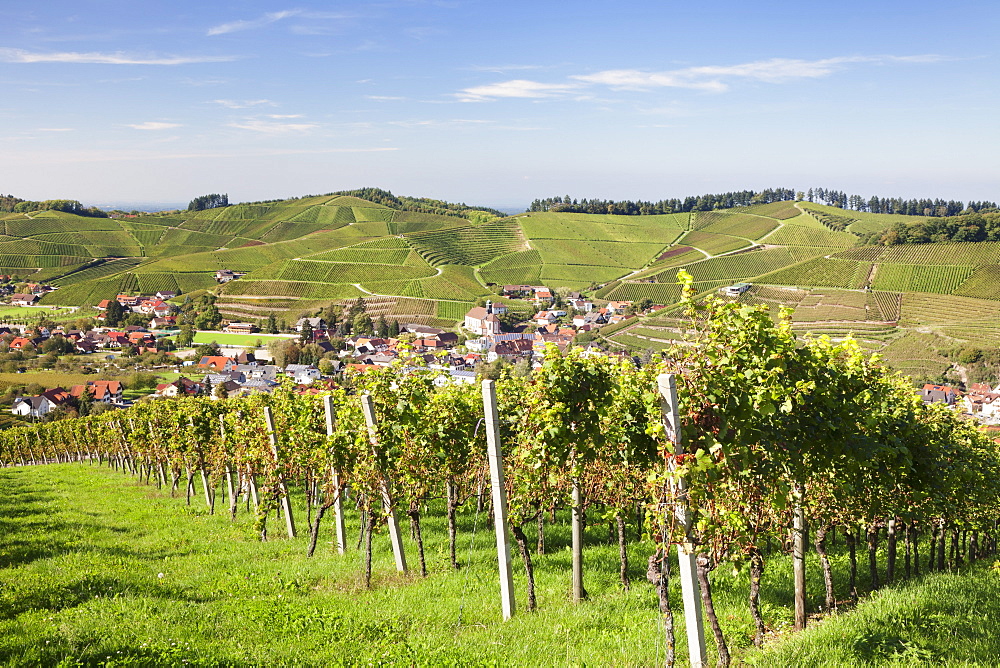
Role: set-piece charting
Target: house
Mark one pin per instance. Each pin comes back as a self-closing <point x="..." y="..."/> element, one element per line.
<point x="40" y="405"/>
<point x="165" y="294"/>
<point x="619" y="306"/>
<point x="182" y="387"/>
<point x="454" y="377"/>
<point x="21" y="299"/>
<point x="543" y="294"/>
<point x="302" y="374"/>
<point x="218" y="363"/>
<point x="128" y="301"/>
<point x="422" y="331"/>
<point x="156" y="307"/>
<point x="735" y="290"/>
<point x="581" y="305"/>
<point x="939" y="394"/>
<point x="517" y="290"/>
<point x="21" y="342"/>
<point x="264" y="371"/>
<point x="105" y="391"/>
<point x="240" y="328"/>
<point x="314" y="323"/>
<point x="226" y="275"/>
<point x="481" y="320"/>
<point x="509" y="350"/>
<point x="162" y="323"/>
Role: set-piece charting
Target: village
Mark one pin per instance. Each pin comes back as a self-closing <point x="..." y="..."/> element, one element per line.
<point x="486" y="340"/>
<point x="480" y="345"/>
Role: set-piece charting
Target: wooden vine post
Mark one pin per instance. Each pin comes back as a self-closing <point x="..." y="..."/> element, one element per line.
<point x="286" y="503"/>
<point x="395" y="537"/>
<point x="338" y="504"/>
<point x="799" y="547"/>
<point x="686" y="557"/>
<point x="495" y="457"/>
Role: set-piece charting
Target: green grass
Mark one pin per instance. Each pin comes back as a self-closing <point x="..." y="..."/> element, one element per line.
<point x="227" y="339"/>
<point x="96" y="569"/>
<point x="944" y="619"/>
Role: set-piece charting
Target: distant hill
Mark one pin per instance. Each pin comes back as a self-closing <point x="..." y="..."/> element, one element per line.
<point x="303" y="253"/>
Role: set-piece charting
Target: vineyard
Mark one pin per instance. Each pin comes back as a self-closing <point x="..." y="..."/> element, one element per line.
<point x="468" y="245"/>
<point x="735" y="224"/>
<point x="832" y="444"/>
<point x="920" y="278"/>
<point x="822" y="272"/>
<point x="714" y="244"/>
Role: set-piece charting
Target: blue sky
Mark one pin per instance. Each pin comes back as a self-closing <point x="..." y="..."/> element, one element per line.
<point x="496" y="102"/>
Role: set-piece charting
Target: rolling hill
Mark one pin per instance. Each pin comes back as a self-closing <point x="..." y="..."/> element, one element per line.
<point x="302" y="253"/>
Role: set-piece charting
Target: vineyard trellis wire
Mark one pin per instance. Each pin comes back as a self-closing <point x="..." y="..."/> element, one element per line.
<point x="775" y="436"/>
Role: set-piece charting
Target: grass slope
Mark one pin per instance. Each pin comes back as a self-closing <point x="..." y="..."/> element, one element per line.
<point x="96" y="569"/>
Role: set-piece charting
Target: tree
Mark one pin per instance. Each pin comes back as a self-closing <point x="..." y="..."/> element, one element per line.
<point x="306" y="335"/>
<point x="362" y="324"/>
<point x="272" y="324"/>
<point x="212" y="201"/>
<point x="85" y="402"/>
<point x="114" y="313"/>
<point x="186" y="336"/>
<point x="209" y="318"/>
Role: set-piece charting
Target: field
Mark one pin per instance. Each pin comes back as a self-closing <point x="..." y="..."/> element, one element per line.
<point x="244" y="340"/>
<point x="102" y="571"/>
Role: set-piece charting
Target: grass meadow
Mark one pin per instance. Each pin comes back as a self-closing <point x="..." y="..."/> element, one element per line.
<point x="97" y="569"/>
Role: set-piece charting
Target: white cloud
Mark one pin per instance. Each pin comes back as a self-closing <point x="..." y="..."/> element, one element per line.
<point x="94" y="58"/>
<point x="284" y="115"/>
<point x="437" y="123"/>
<point x="266" y="19"/>
<point x="244" y="104"/>
<point x="271" y="127"/>
<point x="518" y="88"/>
<point x="154" y="125"/>
<point x="56" y="129"/>
<point x="385" y="98"/>
<point x="709" y="78"/>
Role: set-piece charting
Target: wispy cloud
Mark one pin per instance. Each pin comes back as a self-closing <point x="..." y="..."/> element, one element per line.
<point x="708" y="78"/>
<point x="442" y="122"/>
<point x="272" y="127"/>
<point x="499" y="69"/>
<point x="8" y="55"/>
<point x="244" y="104"/>
<point x="284" y="115"/>
<point x="385" y="98"/>
<point x="55" y="129"/>
<point x="518" y="88"/>
<point x="85" y="157"/>
<point x="266" y="19"/>
<point x="153" y="125"/>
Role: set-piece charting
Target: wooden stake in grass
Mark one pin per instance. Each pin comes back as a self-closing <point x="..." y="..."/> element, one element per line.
<point x="368" y="407"/>
<point x="686" y="556"/>
<point x="338" y="504"/>
<point x="286" y="503"/>
<point x="499" y="490"/>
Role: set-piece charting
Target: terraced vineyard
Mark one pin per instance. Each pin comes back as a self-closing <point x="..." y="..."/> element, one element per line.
<point x="472" y="245"/>
<point x="714" y="244"/>
<point x="303" y="253"/>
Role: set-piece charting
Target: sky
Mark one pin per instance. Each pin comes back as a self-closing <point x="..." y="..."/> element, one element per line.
<point x="496" y="103"/>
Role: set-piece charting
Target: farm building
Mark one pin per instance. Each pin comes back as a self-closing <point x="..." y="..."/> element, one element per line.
<point x="736" y="289"/>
